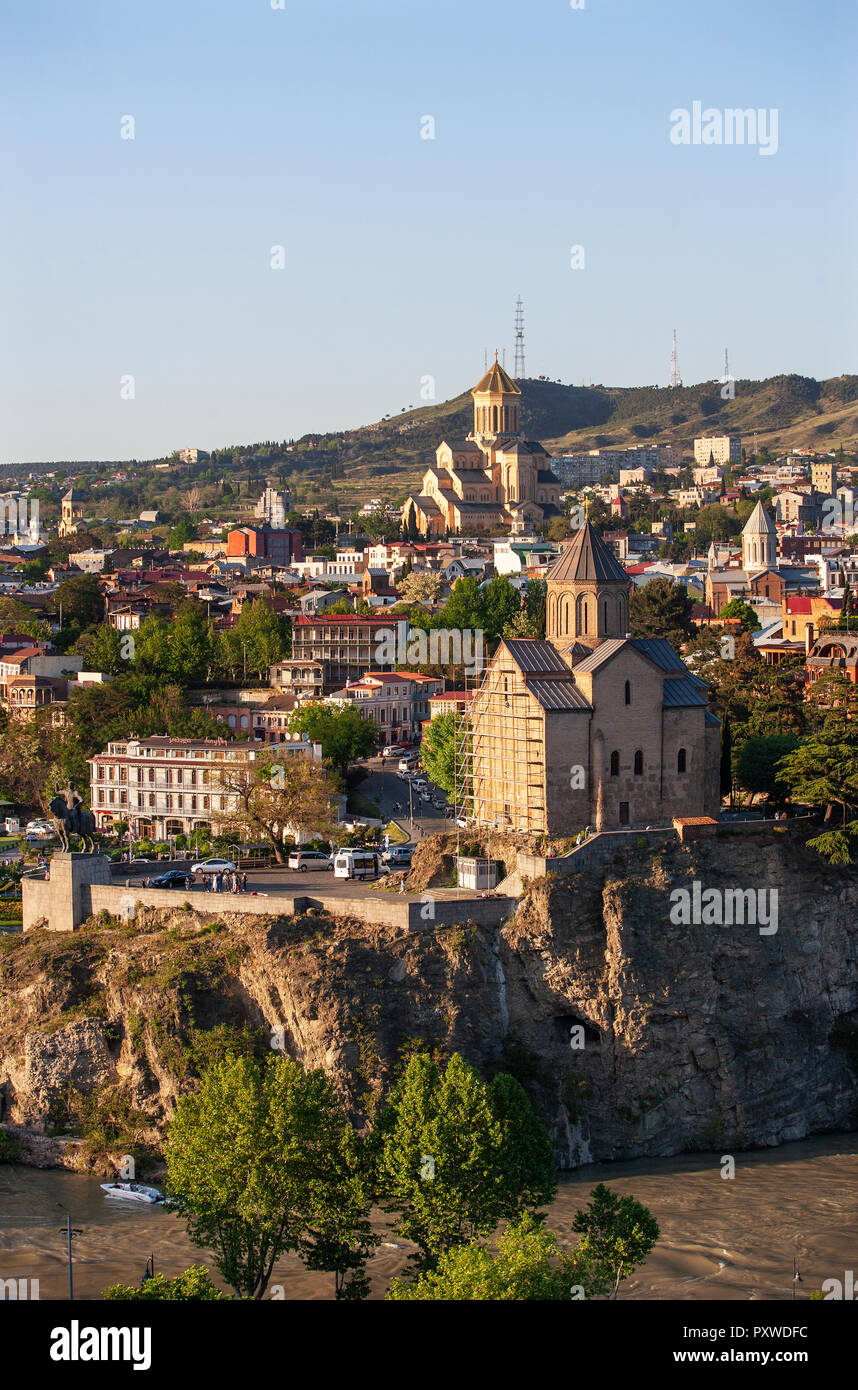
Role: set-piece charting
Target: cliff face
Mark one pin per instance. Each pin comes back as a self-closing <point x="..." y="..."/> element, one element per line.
<point x="633" y="1034"/>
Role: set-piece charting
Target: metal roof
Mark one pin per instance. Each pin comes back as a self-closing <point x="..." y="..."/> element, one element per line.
<point x="589" y="560"/>
<point x="659" y="650"/>
<point x="681" y="692"/>
<point x="533" y="655"/>
<point x="557" y="694"/>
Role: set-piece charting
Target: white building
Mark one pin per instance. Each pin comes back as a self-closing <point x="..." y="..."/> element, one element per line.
<point x="719" y="448"/>
<point x="172" y="786"/>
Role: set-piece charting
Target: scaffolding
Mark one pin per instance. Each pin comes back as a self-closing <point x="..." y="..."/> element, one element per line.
<point x="499" y="757"/>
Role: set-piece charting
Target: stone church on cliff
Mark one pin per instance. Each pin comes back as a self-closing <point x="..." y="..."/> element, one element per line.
<point x="590" y="726"/>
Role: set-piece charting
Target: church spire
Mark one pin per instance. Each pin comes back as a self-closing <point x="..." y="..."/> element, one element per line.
<point x="588" y="593"/>
<point x="496" y="403"/>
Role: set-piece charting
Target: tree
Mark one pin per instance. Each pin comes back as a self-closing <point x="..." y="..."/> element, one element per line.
<point x="268" y="799"/>
<point x="422" y="587"/>
<point x="181" y="534"/>
<point x="263" y="634"/>
<point x="738" y="608"/>
<point x="343" y="732"/>
<point x="193" y="1285"/>
<point x="442" y="755"/>
<point x="102" y="649"/>
<point x="28" y="761"/>
<point x="617" y="1234"/>
<point x="457" y="1154"/>
<point x="756" y="760"/>
<point x="252" y="1165"/>
<point x="464" y="608"/>
<point x="501" y="605"/>
<point x="79" y="599"/>
<point x="528" y="1264"/>
<point x="661" y="609"/>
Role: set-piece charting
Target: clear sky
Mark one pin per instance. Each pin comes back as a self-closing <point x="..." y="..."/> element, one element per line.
<point x="301" y="127"/>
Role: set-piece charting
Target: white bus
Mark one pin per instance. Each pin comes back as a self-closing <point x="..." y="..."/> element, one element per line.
<point x="356" y="863"/>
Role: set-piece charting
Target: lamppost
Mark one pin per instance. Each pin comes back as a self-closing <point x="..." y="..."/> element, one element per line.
<point x="70" y="1231"/>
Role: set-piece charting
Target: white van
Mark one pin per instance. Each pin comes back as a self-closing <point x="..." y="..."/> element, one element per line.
<point x="356" y="863"/>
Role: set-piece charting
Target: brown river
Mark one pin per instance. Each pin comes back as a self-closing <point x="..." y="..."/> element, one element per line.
<point x="720" y="1238"/>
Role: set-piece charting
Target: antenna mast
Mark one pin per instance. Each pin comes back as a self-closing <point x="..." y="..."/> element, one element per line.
<point x="726" y="366"/>
<point x="519" y="340"/>
<point x="675" y="377"/>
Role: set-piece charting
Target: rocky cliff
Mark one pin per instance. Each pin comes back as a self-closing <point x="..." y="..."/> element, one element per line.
<point x="633" y="1034"/>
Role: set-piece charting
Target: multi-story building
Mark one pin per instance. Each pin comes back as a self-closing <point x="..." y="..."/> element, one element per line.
<point x="304" y="678"/>
<point x="718" y="448"/>
<point x="273" y="506"/>
<point x="347" y="644"/>
<point x="172" y="786"/>
<point x="398" y="702"/>
<point x="263" y="542"/>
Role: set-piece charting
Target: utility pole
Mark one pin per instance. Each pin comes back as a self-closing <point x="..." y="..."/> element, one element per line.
<point x="70" y="1231"/>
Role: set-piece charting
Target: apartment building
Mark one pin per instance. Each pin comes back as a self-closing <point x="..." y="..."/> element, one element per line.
<point x="398" y="702"/>
<point x="172" y="786"/>
<point x="718" y="448"/>
<point x="346" y="644"/>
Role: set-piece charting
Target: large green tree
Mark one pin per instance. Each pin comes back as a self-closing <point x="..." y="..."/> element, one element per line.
<point x="258" y="1164"/>
<point x="443" y="750"/>
<point x="661" y="609"/>
<point x="343" y="732"/>
<point x="458" y="1154"/>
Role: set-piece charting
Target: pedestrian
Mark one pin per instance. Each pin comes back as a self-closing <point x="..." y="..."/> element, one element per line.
<point x="235" y="883"/>
<point x="244" y="883"/>
<point x="217" y="883"/>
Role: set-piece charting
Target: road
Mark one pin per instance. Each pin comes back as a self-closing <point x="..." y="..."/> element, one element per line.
<point x="384" y="788"/>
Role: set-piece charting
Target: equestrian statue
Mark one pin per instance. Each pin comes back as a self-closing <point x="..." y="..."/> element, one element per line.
<point x="70" y="818"/>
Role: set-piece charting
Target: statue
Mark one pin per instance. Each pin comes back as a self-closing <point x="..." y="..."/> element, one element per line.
<point x="70" y="818"/>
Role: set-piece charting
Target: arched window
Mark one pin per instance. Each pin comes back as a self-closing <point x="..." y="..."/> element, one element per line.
<point x="638" y="763"/>
<point x="615" y="764"/>
<point x="680" y="760"/>
<point x="628" y="692"/>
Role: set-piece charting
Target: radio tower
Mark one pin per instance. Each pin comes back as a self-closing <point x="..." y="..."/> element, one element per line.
<point x="675" y="378"/>
<point x="726" y="366"/>
<point x="519" y="340"/>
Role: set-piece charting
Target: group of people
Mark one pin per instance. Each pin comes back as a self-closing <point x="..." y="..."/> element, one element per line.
<point x="226" y="882"/>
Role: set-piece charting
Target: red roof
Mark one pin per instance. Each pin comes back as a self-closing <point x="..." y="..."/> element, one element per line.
<point x="454" y="695"/>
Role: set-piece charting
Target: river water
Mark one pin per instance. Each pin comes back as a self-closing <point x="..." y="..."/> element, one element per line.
<point x="720" y="1238"/>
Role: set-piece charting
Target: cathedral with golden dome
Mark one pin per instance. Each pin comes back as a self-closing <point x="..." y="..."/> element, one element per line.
<point x="490" y="479"/>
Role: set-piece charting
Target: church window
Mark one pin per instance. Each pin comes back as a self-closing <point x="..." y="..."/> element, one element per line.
<point x="680" y="760"/>
<point x="615" y="763"/>
<point x="638" y="763"/>
<point x="495" y="418"/>
<point x="628" y="692"/>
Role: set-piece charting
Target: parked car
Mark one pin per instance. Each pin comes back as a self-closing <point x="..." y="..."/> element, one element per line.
<point x="398" y="856"/>
<point x="213" y="866"/>
<point x="439" y="803"/>
<point x="390" y="750"/>
<point x="173" y="878"/>
<point x="304" y="859"/>
<point x="420" y="784"/>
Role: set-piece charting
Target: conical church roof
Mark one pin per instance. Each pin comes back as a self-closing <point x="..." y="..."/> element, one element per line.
<point x="759" y="523"/>
<point x="588" y="560"/>
<point x="497" y="381"/>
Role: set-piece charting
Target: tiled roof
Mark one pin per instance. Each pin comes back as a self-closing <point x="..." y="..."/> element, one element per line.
<point x="588" y="559"/>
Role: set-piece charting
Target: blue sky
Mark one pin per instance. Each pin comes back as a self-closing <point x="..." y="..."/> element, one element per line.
<point x="301" y="128"/>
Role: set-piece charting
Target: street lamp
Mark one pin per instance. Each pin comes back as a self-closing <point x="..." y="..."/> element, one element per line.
<point x="70" y="1231"/>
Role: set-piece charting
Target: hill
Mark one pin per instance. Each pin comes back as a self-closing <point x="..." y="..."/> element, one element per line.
<point x="387" y="458"/>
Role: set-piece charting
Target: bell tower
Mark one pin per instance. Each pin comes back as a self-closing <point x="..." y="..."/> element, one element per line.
<point x="497" y="401"/>
<point x="588" y="593"/>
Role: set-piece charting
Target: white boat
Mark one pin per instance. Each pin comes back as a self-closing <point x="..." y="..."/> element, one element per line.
<point x="132" y="1191"/>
